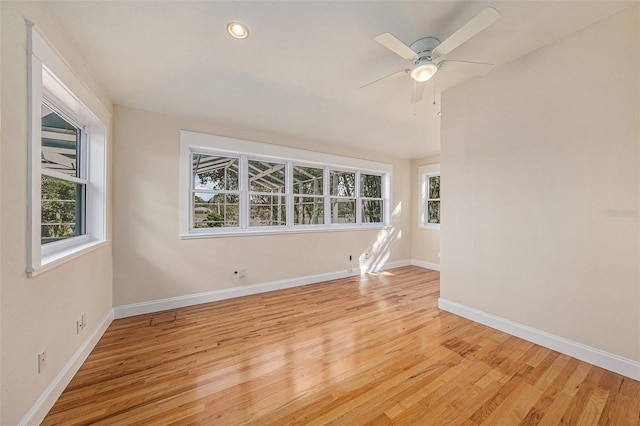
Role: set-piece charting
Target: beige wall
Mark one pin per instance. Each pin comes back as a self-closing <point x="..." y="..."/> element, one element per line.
<point x="151" y="262"/>
<point x="425" y="243"/>
<point x="537" y="158"/>
<point x="37" y="313"/>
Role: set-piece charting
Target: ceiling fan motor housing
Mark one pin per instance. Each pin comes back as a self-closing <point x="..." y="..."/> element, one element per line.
<point x="423" y="49"/>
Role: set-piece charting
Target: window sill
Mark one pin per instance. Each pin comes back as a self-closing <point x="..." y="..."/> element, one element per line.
<point x="60" y="257"/>
<point x="436" y="227"/>
<point x="272" y="231"/>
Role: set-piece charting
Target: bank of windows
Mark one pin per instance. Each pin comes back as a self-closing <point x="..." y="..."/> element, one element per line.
<point x="280" y="195"/>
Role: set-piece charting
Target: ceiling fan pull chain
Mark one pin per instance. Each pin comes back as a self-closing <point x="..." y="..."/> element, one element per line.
<point x="434" y="89"/>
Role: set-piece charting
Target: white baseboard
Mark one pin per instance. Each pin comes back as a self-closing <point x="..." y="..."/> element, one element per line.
<point x="151" y="306"/>
<point x="606" y="360"/>
<point x="227" y="293"/>
<point x="426" y="265"/>
<point x="400" y="263"/>
<point x="42" y="406"/>
<point x="372" y="266"/>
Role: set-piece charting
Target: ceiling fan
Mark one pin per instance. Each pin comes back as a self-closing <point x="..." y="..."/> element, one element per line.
<point x="427" y="54"/>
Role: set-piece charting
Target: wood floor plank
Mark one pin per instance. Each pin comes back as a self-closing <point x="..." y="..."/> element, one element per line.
<point x="373" y="349"/>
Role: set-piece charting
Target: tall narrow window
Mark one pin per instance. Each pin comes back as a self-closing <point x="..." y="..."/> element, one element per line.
<point x="429" y="196"/>
<point x="216" y="191"/>
<point x="267" y="193"/>
<point x="67" y="211"/>
<point x="343" y="196"/>
<point x="372" y="203"/>
<point x="308" y="199"/>
<point x="433" y="199"/>
<point x="63" y="180"/>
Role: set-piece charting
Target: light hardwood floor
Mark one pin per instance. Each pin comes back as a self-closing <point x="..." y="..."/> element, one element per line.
<point x="365" y="350"/>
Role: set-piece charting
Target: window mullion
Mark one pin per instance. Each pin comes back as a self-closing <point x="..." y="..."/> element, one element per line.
<point x="288" y="188"/>
<point x="327" y="196"/>
<point x="358" y="199"/>
<point x="243" y="178"/>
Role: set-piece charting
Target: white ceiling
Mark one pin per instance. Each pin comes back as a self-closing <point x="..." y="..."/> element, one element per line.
<point x="300" y="70"/>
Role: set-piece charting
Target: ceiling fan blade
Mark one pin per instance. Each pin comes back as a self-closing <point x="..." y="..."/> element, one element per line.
<point x="390" y="41"/>
<point x="464" y="67"/>
<point x="418" y="91"/>
<point x="482" y="20"/>
<point x="387" y="78"/>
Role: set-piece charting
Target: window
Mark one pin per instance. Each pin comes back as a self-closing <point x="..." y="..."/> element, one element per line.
<point x="433" y="199"/>
<point x="429" y="196"/>
<point x="67" y="161"/>
<point x="267" y="200"/>
<point x="308" y="199"/>
<point x="343" y="196"/>
<point x="371" y="198"/>
<point x="63" y="181"/>
<point x="237" y="186"/>
<point x="216" y="191"/>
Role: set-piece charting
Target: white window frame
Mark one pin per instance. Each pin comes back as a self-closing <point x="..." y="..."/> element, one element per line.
<point x="361" y="199"/>
<point x="323" y="197"/>
<point x="225" y="146"/>
<point x="285" y="194"/>
<point x="356" y="212"/>
<point x="424" y="173"/>
<point x="50" y="77"/>
<point x="225" y="192"/>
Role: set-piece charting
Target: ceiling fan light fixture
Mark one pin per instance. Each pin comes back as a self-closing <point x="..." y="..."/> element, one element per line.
<point x="423" y="72"/>
<point x="237" y="30"/>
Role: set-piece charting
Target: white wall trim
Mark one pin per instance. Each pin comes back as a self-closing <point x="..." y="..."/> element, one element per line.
<point x="426" y="265"/>
<point x="151" y="306"/>
<point x="606" y="360"/>
<point x="42" y="406"/>
<point x="223" y="294"/>
<point x="370" y="265"/>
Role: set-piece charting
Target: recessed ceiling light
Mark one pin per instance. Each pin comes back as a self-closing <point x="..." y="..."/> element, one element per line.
<point x="237" y="30"/>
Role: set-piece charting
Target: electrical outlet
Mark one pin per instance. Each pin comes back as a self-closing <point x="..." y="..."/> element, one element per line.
<point x="242" y="273"/>
<point x="42" y="361"/>
<point x="84" y="321"/>
<point x="236" y="276"/>
<point x="78" y="326"/>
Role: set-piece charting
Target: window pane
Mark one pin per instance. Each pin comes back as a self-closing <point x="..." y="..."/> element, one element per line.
<point x="371" y="211"/>
<point x="370" y="186"/>
<point x="215" y="210"/>
<point x="267" y="210"/>
<point x="434" y="211"/>
<point x="215" y="173"/>
<point x="307" y="180"/>
<point x="60" y="142"/>
<point x="434" y="187"/>
<point x="266" y="177"/>
<point x="343" y="210"/>
<point x="308" y="210"/>
<point x="343" y="184"/>
<point x="62" y="209"/>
